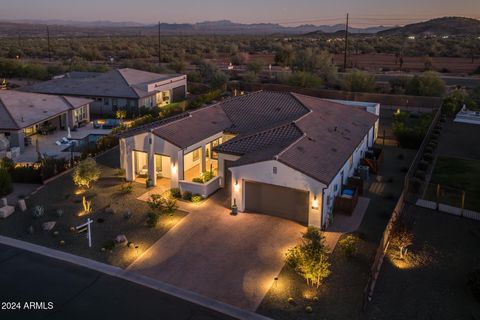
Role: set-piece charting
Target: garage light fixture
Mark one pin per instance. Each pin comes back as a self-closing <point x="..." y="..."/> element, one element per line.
<point x="174" y="168"/>
<point x="315" y="202"/>
<point x="236" y="186"/>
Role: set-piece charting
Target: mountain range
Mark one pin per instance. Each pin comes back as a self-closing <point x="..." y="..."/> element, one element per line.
<point x="439" y="26"/>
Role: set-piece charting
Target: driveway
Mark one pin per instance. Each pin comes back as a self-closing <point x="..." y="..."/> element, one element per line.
<point x="233" y="259"/>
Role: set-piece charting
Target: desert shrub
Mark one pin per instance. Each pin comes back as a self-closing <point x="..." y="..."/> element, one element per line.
<point x="50" y="167"/>
<point x="420" y="174"/>
<point x="428" y="149"/>
<point x="86" y="173"/>
<point x="38" y="211"/>
<point x="109" y="245"/>
<point x="310" y="258"/>
<point x="197" y="180"/>
<point x="401" y="238"/>
<point x="170" y="204"/>
<point x="120" y="172"/>
<point x="156" y="202"/>
<point x="152" y="219"/>
<point x="187" y="195"/>
<point x="126" y="187"/>
<point x="176" y="193"/>
<point x="415" y="185"/>
<point x="433" y="144"/>
<point x="5" y="182"/>
<point x="197" y="198"/>
<point x="473" y="282"/>
<point x="207" y="176"/>
<point x="349" y="245"/>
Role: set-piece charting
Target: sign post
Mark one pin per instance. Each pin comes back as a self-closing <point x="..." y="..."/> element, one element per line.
<point x="86" y="227"/>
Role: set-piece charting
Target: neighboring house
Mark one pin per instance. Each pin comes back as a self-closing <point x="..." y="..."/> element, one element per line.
<point x="23" y="114"/>
<point x="120" y="89"/>
<point x="282" y="154"/>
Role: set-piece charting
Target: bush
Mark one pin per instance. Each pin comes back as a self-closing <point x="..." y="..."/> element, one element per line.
<point x="197" y="198"/>
<point x="310" y="259"/>
<point x="420" y="174"/>
<point x="152" y="219"/>
<point x="38" y="211"/>
<point x="349" y="245"/>
<point x="433" y="144"/>
<point x="5" y="182"/>
<point x="428" y="149"/>
<point x="85" y="173"/>
<point x="197" y="180"/>
<point x="473" y="282"/>
<point x="126" y="187"/>
<point x="187" y="195"/>
<point x="176" y="193"/>
<point x="415" y="185"/>
<point x="359" y="81"/>
<point x="26" y="174"/>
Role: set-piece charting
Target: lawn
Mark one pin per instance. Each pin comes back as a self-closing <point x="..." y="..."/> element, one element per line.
<point x="455" y="175"/>
<point x="341" y="295"/>
<point x="433" y="282"/>
<point x="61" y="194"/>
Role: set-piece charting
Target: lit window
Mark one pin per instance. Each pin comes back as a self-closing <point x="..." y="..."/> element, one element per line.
<point x="196" y="154"/>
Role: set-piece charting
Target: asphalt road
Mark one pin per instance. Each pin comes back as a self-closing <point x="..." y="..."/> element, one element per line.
<point x="80" y="293"/>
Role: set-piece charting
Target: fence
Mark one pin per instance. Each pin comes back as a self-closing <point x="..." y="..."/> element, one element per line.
<point x="397" y="212"/>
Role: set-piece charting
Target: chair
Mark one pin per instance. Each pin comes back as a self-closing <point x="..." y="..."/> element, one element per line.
<point x="143" y="171"/>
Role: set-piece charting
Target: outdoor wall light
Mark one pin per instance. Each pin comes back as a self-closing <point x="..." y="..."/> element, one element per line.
<point x="315" y="202"/>
<point x="174" y="168"/>
<point x="236" y="186"/>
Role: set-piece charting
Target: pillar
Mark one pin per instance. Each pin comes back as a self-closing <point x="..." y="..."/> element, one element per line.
<point x="152" y="172"/>
<point x="202" y="159"/>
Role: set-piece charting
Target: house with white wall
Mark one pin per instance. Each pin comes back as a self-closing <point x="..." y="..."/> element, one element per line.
<point x="119" y="89"/>
<point x="281" y="154"/>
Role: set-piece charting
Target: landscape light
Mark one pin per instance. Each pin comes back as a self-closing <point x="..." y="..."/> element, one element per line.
<point x="315" y="202"/>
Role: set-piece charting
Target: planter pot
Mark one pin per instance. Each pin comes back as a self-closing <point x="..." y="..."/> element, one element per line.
<point x="234" y="210"/>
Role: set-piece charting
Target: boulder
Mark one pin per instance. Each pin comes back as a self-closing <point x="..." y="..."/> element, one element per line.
<point x="121" y="238"/>
<point x="22" y="205"/>
<point x="6" y="211"/>
<point x="48" y="226"/>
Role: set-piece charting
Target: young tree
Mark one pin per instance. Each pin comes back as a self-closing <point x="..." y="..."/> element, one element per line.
<point x="401" y="238"/>
<point x="310" y="259"/>
<point x="5" y="182"/>
<point x="359" y="81"/>
<point x="86" y="173"/>
<point x="255" y="66"/>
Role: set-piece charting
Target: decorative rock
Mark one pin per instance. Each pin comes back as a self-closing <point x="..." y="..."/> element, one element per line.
<point x="121" y="238"/>
<point x="6" y="211"/>
<point x="48" y="226"/>
<point x="22" y="205"/>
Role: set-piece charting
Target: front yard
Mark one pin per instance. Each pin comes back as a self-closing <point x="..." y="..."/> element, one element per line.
<point x="126" y="216"/>
<point x="341" y="295"/>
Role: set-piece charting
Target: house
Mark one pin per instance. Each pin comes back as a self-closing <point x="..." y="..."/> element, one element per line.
<point x="23" y="114"/>
<point x="281" y="154"/>
<point x="119" y="89"/>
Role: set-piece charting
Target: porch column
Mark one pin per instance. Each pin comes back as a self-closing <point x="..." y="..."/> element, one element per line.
<point x="152" y="172"/>
<point x="202" y="159"/>
<point x="129" y="164"/>
<point x="180" y="166"/>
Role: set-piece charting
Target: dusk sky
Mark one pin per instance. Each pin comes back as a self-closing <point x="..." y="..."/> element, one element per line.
<point x="363" y="12"/>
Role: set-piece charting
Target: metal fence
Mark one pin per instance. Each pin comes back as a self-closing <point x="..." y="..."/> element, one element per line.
<point x="405" y="197"/>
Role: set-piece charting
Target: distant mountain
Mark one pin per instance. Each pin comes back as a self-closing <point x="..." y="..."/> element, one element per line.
<point x="439" y="26"/>
<point x="93" y="24"/>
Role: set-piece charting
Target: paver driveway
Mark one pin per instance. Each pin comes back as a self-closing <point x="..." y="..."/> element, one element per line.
<point x="233" y="259"/>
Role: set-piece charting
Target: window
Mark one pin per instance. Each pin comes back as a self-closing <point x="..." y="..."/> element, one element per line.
<point x="114" y="102"/>
<point x="105" y="101"/>
<point x="335" y="188"/>
<point x="213" y="144"/>
<point x="274" y="170"/>
<point x="196" y="154"/>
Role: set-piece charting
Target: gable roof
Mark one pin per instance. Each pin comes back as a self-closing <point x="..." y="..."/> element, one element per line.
<point x="20" y="110"/>
<point x="122" y="83"/>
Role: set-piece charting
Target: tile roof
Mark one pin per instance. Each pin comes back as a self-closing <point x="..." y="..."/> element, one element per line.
<point x="22" y="109"/>
<point x="260" y="109"/>
<point x="311" y="135"/>
<point x="121" y="83"/>
<point x="198" y="125"/>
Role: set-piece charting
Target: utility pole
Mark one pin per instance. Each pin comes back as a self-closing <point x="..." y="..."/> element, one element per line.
<point x="48" y="44"/>
<point x="159" y="50"/>
<point x="346" y="46"/>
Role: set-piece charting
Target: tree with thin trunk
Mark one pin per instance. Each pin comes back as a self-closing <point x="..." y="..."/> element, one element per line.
<point x="402" y="238"/>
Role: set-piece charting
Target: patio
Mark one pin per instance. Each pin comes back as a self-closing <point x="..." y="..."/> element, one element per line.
<point x="48" y="146"/>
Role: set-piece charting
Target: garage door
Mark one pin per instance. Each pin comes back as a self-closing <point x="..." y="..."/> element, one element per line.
<point x="282" y="202"/>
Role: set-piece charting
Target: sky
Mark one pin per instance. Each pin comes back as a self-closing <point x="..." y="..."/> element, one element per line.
<point x="287" y="12"/>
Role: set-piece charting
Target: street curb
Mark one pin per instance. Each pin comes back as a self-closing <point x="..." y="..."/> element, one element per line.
<point x="183" y="294"/>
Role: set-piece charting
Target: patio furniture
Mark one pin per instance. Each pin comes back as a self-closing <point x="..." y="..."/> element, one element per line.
<point x="143" y="171"/>
<point x="373" y="159"/>
<point x="96" y="125"/>
<point x="347" y="201"/>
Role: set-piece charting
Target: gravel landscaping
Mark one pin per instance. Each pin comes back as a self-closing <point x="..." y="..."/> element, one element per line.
<point x="114" y="213"/>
